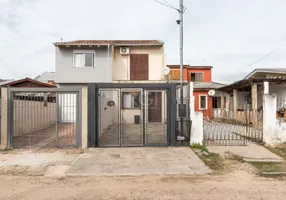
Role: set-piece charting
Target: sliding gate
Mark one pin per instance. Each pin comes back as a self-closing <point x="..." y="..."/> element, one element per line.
<point x="131" y="115"/>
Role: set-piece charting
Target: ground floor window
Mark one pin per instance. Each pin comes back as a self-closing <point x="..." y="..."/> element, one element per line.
<point x="203" y="105"/>
<point x="216" y="102"/>
<point x="130" y="100"/>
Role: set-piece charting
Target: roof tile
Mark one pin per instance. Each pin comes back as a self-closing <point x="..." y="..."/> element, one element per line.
<point x="114" y="42"/>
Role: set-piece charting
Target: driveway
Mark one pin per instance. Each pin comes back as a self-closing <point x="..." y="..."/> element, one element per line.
<point x="138" y="161"/>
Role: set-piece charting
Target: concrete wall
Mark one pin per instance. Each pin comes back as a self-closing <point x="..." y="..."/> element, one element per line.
<point x="32" y="116"/>
<point x="274" y="130"/>
<point x="197" y="133"/>
<point x="121" y="63"/>
<point x="66" y="73"/>
<point x="197" y="128"/>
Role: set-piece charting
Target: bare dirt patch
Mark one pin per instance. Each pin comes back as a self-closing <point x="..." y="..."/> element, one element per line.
<point x="238" y="186"/>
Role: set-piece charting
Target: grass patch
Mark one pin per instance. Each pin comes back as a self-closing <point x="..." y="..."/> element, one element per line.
<point x="269" y="167"/>
<point x="213" y="160"/>
<point x="5" y="150"/>
<point x="231" y="156"/>
<point x="200" y="147"/>
<point x="279" y="150"/>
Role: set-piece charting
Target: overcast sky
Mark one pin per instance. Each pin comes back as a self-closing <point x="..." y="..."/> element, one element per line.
<point x="227" y="34"/>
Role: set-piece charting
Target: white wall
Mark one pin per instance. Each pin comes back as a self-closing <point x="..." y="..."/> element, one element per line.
<point x="274" y="130"/>
<point x="197" y="128"/>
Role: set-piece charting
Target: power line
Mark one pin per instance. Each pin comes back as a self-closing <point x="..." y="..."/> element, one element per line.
<point x="9" y="68"/>
<point x="259" y="59"/>
<point x="166" y="4"/>
<point x="170" y="4"/>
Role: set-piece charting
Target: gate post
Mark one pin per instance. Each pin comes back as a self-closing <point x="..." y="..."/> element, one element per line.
<point x="92" y="115"/>
<point x="84" y="124"/>
<point x="269" y="119"/>
<point x="4" y="118"/>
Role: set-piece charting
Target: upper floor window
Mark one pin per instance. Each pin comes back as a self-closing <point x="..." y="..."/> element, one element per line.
<point x="83" y="58"/>
<point x="196" y="77"/>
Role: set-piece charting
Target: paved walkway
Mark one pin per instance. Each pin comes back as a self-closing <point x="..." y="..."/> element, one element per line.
<point x="137" y="161"/>
<point x="252" y="152"/>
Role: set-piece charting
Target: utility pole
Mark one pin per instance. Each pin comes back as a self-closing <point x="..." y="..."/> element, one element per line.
<point x="181" y="107"/>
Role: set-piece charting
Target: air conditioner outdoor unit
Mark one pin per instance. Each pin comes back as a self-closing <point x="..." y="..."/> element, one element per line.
<point x="124" y="51"/>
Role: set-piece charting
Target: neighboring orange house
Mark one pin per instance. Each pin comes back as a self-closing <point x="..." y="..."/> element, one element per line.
<point x="202" y="78"/>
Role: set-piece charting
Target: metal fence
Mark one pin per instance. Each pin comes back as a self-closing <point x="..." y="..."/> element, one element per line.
<point x="230" y="128"/>
<point x="44" y="117"/>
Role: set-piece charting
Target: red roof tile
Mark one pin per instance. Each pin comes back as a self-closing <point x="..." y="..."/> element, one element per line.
<point x="114" y="42"/>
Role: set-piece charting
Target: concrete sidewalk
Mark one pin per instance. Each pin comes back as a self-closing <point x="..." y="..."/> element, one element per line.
<point x="138" y="161"/>
<point x="250" y="153"/>
<point x="102" y="162"/>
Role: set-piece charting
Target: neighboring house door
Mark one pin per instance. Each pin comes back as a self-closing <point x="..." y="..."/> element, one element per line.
<point x="139" y="66"/>
<point x="154" y="107"/>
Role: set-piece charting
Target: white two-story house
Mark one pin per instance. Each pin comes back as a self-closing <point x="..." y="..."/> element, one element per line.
<point x="94" y="61"/>
<point x="104" y="61"/>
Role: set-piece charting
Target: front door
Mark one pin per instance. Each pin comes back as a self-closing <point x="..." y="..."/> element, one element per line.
<point x="154" y="107"/>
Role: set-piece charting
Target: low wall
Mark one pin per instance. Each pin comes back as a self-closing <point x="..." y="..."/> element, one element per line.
<point x="197" y="128"/>
<point x="274" y="130"/>
<point x="32" y="116"/>
<point x="281" y="130"/>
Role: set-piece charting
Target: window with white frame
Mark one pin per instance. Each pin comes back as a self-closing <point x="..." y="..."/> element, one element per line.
<point x="83" y="58"/>
<point x="203" y="102"/>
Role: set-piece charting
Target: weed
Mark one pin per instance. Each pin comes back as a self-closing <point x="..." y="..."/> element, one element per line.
<point x="269" y="167"/>
<point x="279" y="150"/>
<point x="200" y="147"/>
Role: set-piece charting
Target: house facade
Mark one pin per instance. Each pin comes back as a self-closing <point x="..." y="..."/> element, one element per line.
<point x="105" y="61"/>
<point x="115" y="61"/>
<point x="246" y="95"/>
<point x="201" y="76"/>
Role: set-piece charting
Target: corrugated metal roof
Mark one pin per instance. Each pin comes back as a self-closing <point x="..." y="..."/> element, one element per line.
<point x="111" y="42"/>
<point x="46" y="76"/>
<point x="246" y="83"/>
<point x="207" y="85"/>
<point x="266" y="70"/>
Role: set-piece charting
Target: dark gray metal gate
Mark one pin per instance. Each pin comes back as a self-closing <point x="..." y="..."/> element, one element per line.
<point x="131" y="114"/>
